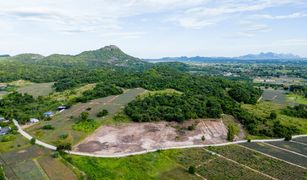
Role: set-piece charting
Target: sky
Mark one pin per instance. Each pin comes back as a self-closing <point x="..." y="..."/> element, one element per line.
<point x="154" y="28"/>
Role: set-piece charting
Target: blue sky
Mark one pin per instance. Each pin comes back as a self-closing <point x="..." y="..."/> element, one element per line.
<point x="154" y="28"/>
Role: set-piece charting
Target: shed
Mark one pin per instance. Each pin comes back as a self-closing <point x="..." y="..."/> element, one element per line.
<point x="4" y="130"/>
<point x="48" y="114"/>
<point x="33" y="120"/>
<point x="60" y="108"/>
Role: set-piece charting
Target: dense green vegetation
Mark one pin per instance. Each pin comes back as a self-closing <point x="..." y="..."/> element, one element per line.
<point x="100" y="90"/>
<point x="297" y="111"/>
<point x="2" y="176"/>
<point x="22" y="107"/>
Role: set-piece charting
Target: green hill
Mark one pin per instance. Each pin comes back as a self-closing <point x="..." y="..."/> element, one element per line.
<point x="106" y="56"/>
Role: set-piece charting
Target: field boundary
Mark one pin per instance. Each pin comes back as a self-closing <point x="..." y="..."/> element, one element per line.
<point x="49" y="146"/>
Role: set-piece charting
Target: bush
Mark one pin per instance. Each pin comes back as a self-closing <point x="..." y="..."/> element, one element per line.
<point x="55" y="154"/>
<point x="273" y="115"/>
<point x="203" y="138"/>
<point x="192" y="170"/>
<point x="64" y="146"/>
<point x="102" y="113"/>
<point x="48" y="127"/>
<point x="7" y="138"/>
<point x="32" y="141"/>
<point x="63" y="136"/>
<point x="84" y="116"/>
<point x="191" y="128"/>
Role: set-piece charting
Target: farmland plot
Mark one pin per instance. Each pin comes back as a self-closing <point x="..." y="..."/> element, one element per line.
<point x="301" y="139"/>
<point x="276" y="96"/>
<point x="278" y="153"/>
<point x="224" y="169"/>
<point x="292" y="146"/>
<point x="260" y="162"/>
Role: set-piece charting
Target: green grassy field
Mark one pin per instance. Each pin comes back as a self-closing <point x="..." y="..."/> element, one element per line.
<point x="174" y="164"/>
<point x="37" y="89"/>
<point x="263" y="109"/>
<point x="18" y="142"/>
<point x="295" y="98"/>
<point x="157" y="165"/>
<point x="64" y="122"/>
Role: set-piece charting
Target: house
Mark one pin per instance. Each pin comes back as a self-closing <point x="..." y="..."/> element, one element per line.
<point x="48" y="114"/>
<point x="2" y="119"/>
<point x="4" y="130"/>
<point x="33" y="120"/>
<point x="61" y="108"/>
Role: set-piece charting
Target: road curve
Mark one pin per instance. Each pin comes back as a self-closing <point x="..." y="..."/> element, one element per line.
<point x="48" y="146"/>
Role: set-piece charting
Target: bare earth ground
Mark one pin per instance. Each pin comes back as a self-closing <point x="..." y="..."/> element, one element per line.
<point x="134" y="137"/>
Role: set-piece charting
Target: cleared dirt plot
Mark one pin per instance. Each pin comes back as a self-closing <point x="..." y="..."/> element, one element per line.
<point x="37" y="89"/>
<point x="223" y="169"/>
<point x="292" y="146"/>
<point x="134" y="137"/>
<point x="301" y="140"/>
<point x="278" y="153"/>
<point x="260" y="162"/>
<point x="63" y="122"/>
<point x="276" y="96"/>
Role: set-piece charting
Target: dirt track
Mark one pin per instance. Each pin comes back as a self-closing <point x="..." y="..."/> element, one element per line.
<point x="134" y="137"/>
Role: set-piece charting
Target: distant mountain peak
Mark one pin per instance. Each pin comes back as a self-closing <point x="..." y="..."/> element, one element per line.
<point x="269" y="55"/>
<point x="110" y="47"/>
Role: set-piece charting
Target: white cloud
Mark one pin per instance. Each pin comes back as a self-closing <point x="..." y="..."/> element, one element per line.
<point x="280" y="17"/>
<point x="207" y="14"/>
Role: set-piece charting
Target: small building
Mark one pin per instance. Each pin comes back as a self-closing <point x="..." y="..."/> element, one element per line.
<point x="61" y="108"/>
<point x="48" y="114"/>
<point x="2" y="119"/>
<point x="34" y="120"/>
<point x="4" y="130"/>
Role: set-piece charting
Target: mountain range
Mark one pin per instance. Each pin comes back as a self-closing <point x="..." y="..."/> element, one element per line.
<point x="269" y="56"/>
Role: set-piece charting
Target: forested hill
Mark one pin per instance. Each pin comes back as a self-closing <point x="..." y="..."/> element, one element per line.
<point x="106" y="56"/>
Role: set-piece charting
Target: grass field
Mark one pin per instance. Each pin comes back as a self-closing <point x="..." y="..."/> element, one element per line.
<point x="157" y="165"/>
<point x="295" y="98"/>
<point x="18" y="142"/>
<point x="34" y="163"/>
<point x="262" y="163"/>
<point x="173" y="164"/>
<point x="37" y="89"/>
<point x="263" y="109"/>
<point x="287" y="156"/>
<point x="64" y="121"/>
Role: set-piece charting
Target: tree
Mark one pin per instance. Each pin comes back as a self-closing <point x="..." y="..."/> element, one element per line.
<point x="273" y="115"/>
<point x="230" y="133"/>
<point x="32" y="141"/>
<point x="102" y="113"/>
<point x="192" y="170"/>
<point x="84" y="116"/>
